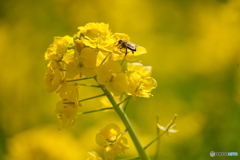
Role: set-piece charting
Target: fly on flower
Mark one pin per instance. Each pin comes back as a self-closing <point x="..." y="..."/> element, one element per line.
<point x="130" y="46"/>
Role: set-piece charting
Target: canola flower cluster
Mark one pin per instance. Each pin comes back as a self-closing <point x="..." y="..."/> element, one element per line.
<point x="111" y="138"/>
<point x="95" y="52"/>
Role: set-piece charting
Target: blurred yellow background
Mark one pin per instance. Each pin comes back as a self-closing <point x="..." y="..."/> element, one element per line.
<point x="194" y="49"/>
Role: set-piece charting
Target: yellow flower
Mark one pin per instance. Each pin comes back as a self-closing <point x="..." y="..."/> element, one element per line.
<point x="140" y="84"/>
<point x="93" y="156"/>
<point x="108" y="135"/>
<point x="97" y="35"/>
<point x="67" y="108"/>
<point x="118" y="84"/>
<point x="54" y="76"/>
<point x="113" y="150"/>
<point x="107" y="70"/>
<point x="111" y="138"/>
<point x="69" y="91"/>
<point x="109" y="75"/>
<point x="57" y="50"/>
<point x="144" y="71"/>
<point x="83" y="64"/>
<point x="67" y="113"/>
<point x="68" y="56"/>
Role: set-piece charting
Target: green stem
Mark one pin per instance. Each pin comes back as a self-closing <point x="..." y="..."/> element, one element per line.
<point x="73" y="80"/>
<point x="102" y="109"/>
<point x="91" y="97"/>
<point x="126" y="104"/>
<point x="160" y="135"/>
<point x="88" y="85"/>
<point x="141" y="152"/>
<point x="124" y="100"/>
<point x="158" y="141"/>
<point x="105" y="58"/>
<point x="130" y="158"/>
<point x="101" y="95"/>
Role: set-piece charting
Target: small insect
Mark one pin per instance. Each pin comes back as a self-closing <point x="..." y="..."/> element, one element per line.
<point x="130" y="46"/>
<point x="127" y="45"/>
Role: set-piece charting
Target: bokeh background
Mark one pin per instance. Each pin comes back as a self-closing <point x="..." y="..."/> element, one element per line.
<point x="194" y="49"/>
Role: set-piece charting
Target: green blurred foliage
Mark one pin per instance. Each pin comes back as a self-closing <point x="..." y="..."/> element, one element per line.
<point x="193" y="47"/>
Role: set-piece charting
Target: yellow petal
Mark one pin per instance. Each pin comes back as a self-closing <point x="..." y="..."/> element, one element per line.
<point x="53" y="79"/>
<point x="118" y="84"/>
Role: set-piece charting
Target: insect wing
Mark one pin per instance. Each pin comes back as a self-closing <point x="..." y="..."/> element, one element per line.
<point x="131" y="46"/>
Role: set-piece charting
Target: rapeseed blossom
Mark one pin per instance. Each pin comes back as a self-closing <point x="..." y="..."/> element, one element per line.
<point x="140" y="82"/>
<point x="110" y="75"/>
<point x="57" y="50"/>
<point x="67" y="113"/>
<point x="111" y="139"/>
<point x="83" y="64"/>
<point x="54" y="76"/>
<point x="94" y="52"/>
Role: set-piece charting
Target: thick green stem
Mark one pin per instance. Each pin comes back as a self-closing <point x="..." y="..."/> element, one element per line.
<point x="125" y="120"/>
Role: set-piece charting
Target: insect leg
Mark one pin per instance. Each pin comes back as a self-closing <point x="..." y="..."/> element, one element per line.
<point x="124" y="56"/>
<point x="125" y="53"/>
